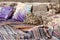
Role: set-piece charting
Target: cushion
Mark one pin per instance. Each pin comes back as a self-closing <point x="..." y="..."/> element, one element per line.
<point x="19" y="16"/>
<point x="28" y="7"/>
<point x="20" y="12"/>
<point x="5" y="12"/>
<point x="30" y="18"/>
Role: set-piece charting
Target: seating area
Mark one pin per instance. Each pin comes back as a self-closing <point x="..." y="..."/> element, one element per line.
<point x="31" y="21"/>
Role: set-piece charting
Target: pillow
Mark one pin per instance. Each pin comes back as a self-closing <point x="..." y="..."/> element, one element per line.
<point x="28" y="7"/>
<point x="19" y="16"/>
<point x="5" y="12"/>
<point x="20" y="12"/>
<point x="30" y="18"/>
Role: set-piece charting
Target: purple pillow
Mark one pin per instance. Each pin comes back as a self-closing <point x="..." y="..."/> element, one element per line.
<point x="5" y="12"/>
<point x="19" y="16"/>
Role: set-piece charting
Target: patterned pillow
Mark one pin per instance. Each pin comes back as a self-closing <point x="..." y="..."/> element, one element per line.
<point x="30" y="18"/>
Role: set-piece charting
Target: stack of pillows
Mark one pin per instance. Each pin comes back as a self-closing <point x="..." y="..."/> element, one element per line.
<point x="20" y="12"/>
<point x="6" y="11"/>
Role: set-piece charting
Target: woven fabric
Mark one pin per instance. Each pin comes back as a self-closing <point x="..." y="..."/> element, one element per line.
<point x="36" y="33"/>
